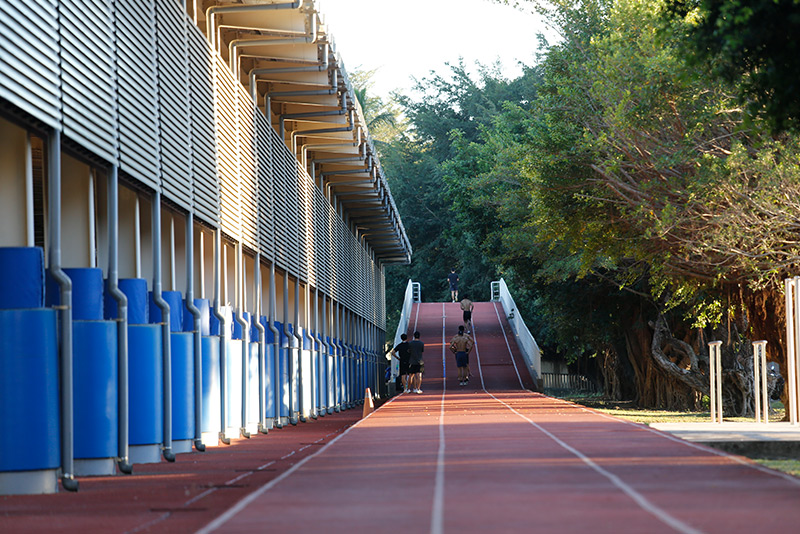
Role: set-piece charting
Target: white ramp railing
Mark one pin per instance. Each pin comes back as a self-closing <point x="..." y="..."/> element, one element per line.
<point x="525" y="341"/>
<point x="412" y="295"/>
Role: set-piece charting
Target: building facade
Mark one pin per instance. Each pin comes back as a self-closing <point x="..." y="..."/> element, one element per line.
<point x="194" y="226"/>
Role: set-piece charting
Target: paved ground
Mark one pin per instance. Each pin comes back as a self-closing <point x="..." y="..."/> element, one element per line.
<point x="491" y="457"/>
<point x="172" y="498"/>
<point x="488" y="457"/>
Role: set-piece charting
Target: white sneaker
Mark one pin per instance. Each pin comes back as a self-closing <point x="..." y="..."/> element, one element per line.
<point x="406" y="390"/>
<point x="418" y="391"/>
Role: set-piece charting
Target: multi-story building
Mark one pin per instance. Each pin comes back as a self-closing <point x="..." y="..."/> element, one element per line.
<point x="194" y="225"/>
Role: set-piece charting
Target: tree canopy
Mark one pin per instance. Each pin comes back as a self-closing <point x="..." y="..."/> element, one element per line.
<point x="633" y="204"/>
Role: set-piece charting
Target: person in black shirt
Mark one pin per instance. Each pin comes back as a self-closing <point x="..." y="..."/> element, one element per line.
<point x="452" y="279"/>
<point x="416" y="365"/>
<point x="402" y="353"/>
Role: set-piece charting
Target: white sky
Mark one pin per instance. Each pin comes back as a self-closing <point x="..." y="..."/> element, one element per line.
<point x="404" y="38"/>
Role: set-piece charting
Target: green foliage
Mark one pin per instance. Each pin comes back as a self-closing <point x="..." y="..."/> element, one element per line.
<point x="614" y="181"/>
<point x="752" y="43"/>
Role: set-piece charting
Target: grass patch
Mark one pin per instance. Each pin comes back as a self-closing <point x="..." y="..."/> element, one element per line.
<point x="785" y="465"/>
<point x="628" y="411"/>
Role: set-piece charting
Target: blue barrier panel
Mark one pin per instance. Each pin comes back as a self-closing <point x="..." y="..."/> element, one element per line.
<point x="238" y="331"/>
<point x="318" y="367"/>
<point x="182" y="385"/>
<point x="254" y="334"/>
<point x="21" y="278"/>
<point x="135" y="290"/>
<point x="175" y="301"/>
<point x="269" y="371"/>
<point x="205" y="317"/>
<point x="87" y="293"/>
<point x="30" y="422"/>
<point x="145" y="376"/>
<point x="283" y="369"/>
<point x="214" y="322"/>
<point x="95" y="378"/>
<point x="211" y="400"/>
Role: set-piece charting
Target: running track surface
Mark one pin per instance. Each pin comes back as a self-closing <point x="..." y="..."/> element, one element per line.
<point x="492" y="457"/>
<point x="488" y="457"/>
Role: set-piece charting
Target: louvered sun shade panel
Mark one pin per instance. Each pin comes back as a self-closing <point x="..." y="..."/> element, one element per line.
<point x="327" y="248"/>
<point x="173" y="104"/>
<point x="205" y="189"/>
<point x="137" y="91"/>
<point x="335" y="248"/>
<point x="286" y="203"/>
<point x="322" y="246"/>
<point x="307" y="250"/>
<point x="350" y="271"/>
<point x="29" y="51"/>
<point x="353" y="274"/>
<point x="248" y="180"/>
<point x="227" y="145"/>
<point x="341" y="263"/>
<point x="381" y="298"/>
<point x="266" y="222"/>
<point x="87" y="75"/>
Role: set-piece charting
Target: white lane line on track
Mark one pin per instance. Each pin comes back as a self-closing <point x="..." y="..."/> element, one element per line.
<point x="239" y="506"/>
<point x="638" y="498"/>
<point x="503" y="330"/>
<point x="437" y="512"/>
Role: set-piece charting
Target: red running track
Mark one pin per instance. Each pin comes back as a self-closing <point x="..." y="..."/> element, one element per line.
<point x="491" y="457"/>
<point x="501" y="459"/>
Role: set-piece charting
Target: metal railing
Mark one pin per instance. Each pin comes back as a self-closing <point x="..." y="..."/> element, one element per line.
<point x="525" y="341"/>
<point x="568" y="382"/>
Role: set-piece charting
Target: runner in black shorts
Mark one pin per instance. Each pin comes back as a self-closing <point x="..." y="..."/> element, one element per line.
<point x="416" y="366"/>
<point x="402" y="353"/>
<point x="467" y="306"/>
<point x="452" y="279"/>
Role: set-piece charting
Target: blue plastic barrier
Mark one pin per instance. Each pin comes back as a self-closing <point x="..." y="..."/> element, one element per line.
<point x="95" y="389"/>
<point x="211" y="394"/>
<point x="145" y="377"/>
<point x="182" y="386"/>
<point x="214" y="322"/>
<point x="205" y="317"/>
<point x="30" y="421"/>
<point x="233" y="383"/>
<point x="269" y="369"/>
<point x="175" y="301"/>
<point x="135" y="289"/>
<point x="87" y="293"/>
<point x="282" y="361"/>
<point x="253" y="384"/>
<point x="21" y="278"/>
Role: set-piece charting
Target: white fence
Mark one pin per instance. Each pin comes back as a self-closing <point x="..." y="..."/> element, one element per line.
<point x="525" y="340"/>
